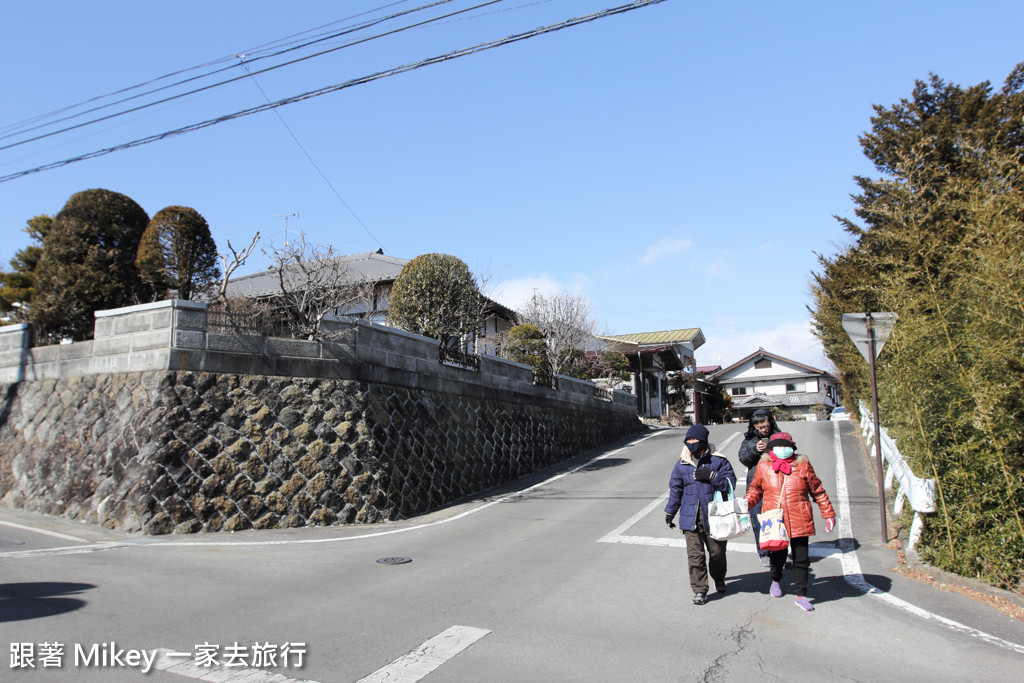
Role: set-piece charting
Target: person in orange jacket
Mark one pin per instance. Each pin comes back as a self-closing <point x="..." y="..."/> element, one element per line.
<point x="781" y="465"/>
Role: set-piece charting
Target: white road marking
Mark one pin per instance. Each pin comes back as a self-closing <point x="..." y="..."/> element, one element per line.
<point x="218" y="673"/>
<point x="851" y="563"/>
<point x="63" y="550"/>
<point x="45" y="532"/>
<point x="617" y="535"/>
<point x="846" y="551"/>
<point x="617" y="531"/>
<point x="428" y="656"/>
<point x="732" y="437"/>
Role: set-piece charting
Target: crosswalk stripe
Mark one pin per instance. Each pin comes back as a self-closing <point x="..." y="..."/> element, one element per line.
<point x="428" y="656"/>
<point x="218" y="673"/>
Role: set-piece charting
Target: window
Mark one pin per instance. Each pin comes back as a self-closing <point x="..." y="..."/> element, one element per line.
<point x="792" y="388"/>
<point x="762" y="364"/>
<point x="739" y="391"/>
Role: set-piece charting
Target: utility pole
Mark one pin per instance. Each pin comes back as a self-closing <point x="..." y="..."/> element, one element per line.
<point x="285" y="216"/>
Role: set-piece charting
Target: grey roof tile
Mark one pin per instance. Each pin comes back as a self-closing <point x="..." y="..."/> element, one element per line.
<point x="373" y="266"/>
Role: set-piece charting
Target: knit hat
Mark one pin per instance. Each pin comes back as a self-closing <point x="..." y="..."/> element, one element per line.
<point x="781" y="439"/>
<point x="697" y="432"/>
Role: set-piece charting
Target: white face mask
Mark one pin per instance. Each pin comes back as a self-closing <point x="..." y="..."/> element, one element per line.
<point x="782" y="452"/>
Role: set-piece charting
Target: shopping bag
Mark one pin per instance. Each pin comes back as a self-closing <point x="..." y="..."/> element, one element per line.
<point x="773" y="532"/>
<point x="727" y="518"/>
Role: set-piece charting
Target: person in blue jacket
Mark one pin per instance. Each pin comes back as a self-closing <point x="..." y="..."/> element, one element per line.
<point x="695" y="478"/>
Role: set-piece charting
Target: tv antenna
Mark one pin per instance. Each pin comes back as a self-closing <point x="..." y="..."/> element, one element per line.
<point x="285" y="216"/>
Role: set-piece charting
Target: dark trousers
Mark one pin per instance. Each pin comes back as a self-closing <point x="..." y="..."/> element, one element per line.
<point x="700" y="566"/>
<point x="754" y="512"/>
<point x="801" y="563"/>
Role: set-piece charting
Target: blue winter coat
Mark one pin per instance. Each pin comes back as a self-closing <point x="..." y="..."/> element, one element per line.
<point x="685" y="493"/>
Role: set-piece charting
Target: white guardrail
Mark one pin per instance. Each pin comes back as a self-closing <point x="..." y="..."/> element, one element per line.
<point x="920" y="492"/>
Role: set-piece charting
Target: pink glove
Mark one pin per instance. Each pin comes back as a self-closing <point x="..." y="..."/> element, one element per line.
<point x="830" y="524"/>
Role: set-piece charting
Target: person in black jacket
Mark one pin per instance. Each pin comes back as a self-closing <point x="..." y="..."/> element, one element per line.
<point x="698" y="474"/>
<point x="755" y="443"/>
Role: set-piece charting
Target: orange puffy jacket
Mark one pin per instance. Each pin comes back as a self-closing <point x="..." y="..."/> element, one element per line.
<point x="802" y="485"/>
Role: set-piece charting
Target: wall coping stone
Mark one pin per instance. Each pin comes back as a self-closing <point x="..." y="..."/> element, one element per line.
<point x="140" y="308"/>
<point x="374" y="353"/>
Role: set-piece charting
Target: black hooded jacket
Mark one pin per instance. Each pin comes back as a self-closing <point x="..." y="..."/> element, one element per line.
<point x="748" y="449"/>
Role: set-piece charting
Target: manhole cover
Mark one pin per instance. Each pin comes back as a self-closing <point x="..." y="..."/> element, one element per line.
<point x="394" y="560"/>
<point x="3" y="542"/>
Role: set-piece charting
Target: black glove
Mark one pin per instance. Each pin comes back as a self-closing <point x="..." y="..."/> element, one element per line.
<point x="668" y="520"/>
<point x="705" y="474"/>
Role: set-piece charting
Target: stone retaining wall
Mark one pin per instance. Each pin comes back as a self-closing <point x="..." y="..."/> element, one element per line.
<point x="186" y="452"/>
<point x="381" y="431"/>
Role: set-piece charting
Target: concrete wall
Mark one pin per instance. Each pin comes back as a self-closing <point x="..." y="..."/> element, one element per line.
<point x="172" y="335"/>
<point x="161" y="426"/>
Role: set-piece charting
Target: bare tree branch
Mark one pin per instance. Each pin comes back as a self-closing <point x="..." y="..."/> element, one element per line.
<point x="237" y="260"/>
<point x="566" y="322"/>
<point x="315" y="281"/>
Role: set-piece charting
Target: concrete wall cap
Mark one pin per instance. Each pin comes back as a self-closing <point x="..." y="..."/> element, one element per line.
<point x="138" y="308"/>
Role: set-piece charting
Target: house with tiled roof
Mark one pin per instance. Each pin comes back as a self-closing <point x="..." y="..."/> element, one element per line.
<point x="380" y="271"/>
<point x="768" y="380"/>
<point x="370" y="267"/>
<point x="652" y="355"/>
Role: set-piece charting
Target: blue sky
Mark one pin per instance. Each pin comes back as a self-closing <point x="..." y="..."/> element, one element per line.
<point x="679" y="165"/>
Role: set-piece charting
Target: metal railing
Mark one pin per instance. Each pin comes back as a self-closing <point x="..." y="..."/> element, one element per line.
<point x="459" y="358"/>
<point x="39" y="338"/>
<point x="223" y="322"/>
<point x="920" y="492"/>
<point x="545" y="380"/>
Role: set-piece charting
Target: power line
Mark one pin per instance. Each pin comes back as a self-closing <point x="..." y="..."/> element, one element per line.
<point x="228" y="81"/>
<point x="254" y="50"/>
<point x="551" y="28"/>
<point x="317" y="167"/>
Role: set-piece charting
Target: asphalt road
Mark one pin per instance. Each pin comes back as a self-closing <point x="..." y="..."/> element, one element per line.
<point x="569" y="575"/>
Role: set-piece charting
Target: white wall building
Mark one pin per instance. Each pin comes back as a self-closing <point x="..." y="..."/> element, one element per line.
<point x="767" y="380"/>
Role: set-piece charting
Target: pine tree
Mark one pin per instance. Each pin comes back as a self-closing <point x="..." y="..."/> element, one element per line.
<point x="16" y="287"/>
<point x="938" y="243"/>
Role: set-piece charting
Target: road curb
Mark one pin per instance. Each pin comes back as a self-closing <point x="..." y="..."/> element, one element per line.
<point x="914" y="561"/>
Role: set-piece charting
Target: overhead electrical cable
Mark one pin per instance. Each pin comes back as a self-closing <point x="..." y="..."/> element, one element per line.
<point x="243" y="76"/>
<point x="315" y="165"/>
<point x="250" y="51"/>
<point x="551" y="28"/>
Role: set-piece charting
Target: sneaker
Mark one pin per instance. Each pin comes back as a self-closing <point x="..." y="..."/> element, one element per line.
<point x="699" y="598"/>
<point x="775" y="590"/>
<point x="765" y="561"/>
<point x="804" y="604"/>
<point x="720" y="587"/>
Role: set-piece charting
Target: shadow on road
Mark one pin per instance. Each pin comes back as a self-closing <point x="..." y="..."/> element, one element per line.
<point x="820" y="589"/>
<point x="24" y="601"/>
<point x="604" y="464"/>
<point x="846" y="544"/>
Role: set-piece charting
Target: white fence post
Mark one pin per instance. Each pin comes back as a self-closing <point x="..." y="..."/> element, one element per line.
<point x="920" y="492"/>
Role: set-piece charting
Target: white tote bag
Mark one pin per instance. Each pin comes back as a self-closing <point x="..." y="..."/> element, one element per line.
<point x="728" y="518"/>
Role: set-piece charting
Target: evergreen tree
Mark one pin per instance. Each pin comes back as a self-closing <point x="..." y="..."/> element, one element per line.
<point x="938" y="243"/>
<point x="177" y="255"/>
<point x="525" y="344"/>
<point x="16" y="286"/>
<point x="436" y="295"/>
<point x="88" y="262"/>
